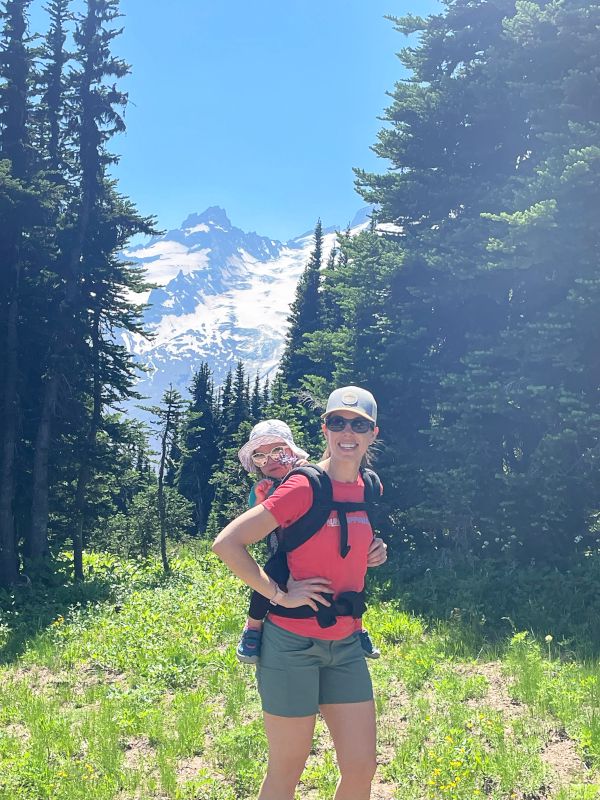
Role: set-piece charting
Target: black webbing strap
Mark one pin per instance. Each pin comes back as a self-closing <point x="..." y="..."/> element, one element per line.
<point x="347" y="604"/>
<point x="342" y="510"/>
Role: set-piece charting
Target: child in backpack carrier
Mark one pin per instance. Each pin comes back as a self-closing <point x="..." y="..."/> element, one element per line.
<point x="272" y="453"/>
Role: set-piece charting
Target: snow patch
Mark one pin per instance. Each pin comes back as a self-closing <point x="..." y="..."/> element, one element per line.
<point x="202" y="228"/>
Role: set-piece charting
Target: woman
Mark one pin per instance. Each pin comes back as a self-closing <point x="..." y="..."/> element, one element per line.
<point x="305" y="667"/>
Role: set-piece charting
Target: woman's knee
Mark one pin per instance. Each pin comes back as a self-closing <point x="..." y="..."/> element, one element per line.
<point x="289" y="766"/>
<point x="284" y="777"/>
<point x="361" y="769"/>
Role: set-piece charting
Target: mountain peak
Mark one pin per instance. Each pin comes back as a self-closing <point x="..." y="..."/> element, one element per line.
<point x="362" y="215"/>
<point x="214" y="215"/>
<point x="222" y="295"/>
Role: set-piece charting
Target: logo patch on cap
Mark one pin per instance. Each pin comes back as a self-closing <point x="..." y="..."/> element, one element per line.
<point x="350" y="399"/>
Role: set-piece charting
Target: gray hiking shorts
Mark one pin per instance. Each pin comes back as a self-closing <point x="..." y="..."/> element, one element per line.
<point x="297" y="674"/>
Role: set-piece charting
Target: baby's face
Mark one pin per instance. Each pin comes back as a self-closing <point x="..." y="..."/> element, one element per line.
<point x="279" y="459"/>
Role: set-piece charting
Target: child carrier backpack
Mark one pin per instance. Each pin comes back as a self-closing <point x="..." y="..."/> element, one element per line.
<point x="348" y="603"/>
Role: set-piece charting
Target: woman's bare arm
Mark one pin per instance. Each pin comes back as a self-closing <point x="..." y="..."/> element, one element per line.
<point x="231" y="547"/>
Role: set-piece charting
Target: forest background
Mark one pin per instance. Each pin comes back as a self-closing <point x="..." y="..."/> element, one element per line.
<point x="472" y="318"/>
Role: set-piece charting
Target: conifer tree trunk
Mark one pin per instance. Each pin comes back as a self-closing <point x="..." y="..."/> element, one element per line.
<point x="161" y="492"/>
<point x="85" y="470"/>
<point x="168" y="416"/>
<point x="9" y="570"/>
<point x="201" y="507"/>
<point x="36" y="545"/>
<point x="13" y="148"/>
<point x="143" y="539"/>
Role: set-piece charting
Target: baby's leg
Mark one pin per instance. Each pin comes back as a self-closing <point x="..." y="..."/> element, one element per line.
<point x="248" y="649"/>
<point x="369" y="649"/>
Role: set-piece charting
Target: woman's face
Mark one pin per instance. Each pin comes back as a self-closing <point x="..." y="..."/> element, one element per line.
<point x="347" y="444"/>
<point x="275" y="467"/>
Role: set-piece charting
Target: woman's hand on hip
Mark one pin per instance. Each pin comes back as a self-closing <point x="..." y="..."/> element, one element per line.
<point x="305" y="593"/>
<point x="377" y="554"/>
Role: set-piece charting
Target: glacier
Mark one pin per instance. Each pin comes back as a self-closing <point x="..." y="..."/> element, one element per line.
<point x="220" y="295"/>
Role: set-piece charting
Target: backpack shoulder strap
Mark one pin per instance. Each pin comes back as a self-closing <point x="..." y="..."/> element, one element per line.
<point x="372" y="485"/>
<point x="317" y="515"/>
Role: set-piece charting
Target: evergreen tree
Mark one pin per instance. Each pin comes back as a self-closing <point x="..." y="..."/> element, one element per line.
<point x="279" y="401"/>
<point x="167" y="418"/>
<point x="266" y="393"/>
<point x="199" y="448"/>
<point x="85" y="467"/>
<point x="53" y="84"/>
<point x="256" y="401"/>
<point x="231" y="484"/>
<point x="332" y="316"/>
<point x="137" y="533"/>
<point x="224" y="406"/>
<point x="305" y="317"/>
<point x="97" y="223"/>
<point x="121" y="471"/>
<point x="302" y="419"/>
<point x="240" y="410"/>
<point x="173" y="461"/>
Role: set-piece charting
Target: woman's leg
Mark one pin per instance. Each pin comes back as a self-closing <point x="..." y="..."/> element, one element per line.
<point x="290" y="741"/>
<point x="353" y="729"/>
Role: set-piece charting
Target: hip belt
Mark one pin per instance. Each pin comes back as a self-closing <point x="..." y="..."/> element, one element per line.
<point x="347" y="604"/>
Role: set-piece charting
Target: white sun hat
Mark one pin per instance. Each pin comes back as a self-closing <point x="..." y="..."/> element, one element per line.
<point x="265" y="432"/>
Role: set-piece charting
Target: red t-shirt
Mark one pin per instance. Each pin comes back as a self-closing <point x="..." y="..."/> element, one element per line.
<point x="320" y="557"/>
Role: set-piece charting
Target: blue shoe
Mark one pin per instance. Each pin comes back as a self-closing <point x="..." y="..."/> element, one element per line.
<point x="248" y="649"/>
<point x="369" y="649"/>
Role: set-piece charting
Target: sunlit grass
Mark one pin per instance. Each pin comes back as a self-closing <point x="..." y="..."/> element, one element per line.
<point x="568" y="691"/>
<point x="139" y="695"/>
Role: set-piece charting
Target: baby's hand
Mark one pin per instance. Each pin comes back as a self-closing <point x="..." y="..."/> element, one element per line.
<point x="294" y="462"/>
<point x="262" y="489"/>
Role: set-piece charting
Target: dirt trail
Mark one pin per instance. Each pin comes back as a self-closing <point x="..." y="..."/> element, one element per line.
<point x="560" y="752"/>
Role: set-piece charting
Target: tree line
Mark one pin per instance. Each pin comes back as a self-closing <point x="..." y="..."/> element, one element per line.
<point x="74" y="471"/>
<point x="197" y="483"/>
<point x="469" y="306"/>
<point x="64" y="291"/>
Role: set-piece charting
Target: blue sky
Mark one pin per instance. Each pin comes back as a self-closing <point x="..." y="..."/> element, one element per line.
<point x="262" y="108"/>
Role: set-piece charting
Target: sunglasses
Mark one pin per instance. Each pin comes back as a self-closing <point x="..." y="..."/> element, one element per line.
<point x="358" y="424"/>
<point x="277" y="454"/>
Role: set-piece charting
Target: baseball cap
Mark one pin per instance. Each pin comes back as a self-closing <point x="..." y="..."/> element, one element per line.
<point x="352" y="398"/>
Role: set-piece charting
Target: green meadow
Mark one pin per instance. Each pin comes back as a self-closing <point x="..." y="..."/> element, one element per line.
<point x="127" y="687"/>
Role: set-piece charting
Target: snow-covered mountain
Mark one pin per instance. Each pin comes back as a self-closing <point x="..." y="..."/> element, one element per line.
<point x="222" y="295"/>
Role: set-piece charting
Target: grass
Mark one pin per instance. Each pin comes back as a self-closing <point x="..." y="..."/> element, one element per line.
<point x="129" y="689"/>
